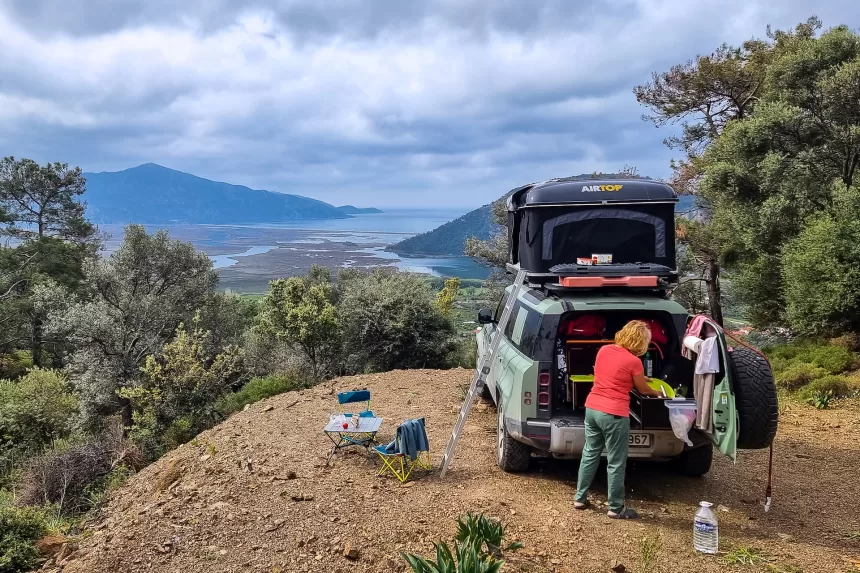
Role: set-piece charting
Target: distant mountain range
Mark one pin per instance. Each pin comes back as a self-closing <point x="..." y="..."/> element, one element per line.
<point x="350" y="210"/>
<point x="154" y="194"/>
<point x="449" y="240"/>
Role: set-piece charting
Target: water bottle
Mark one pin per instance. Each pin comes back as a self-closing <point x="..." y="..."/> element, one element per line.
<point x="706" y="532"/>
<point x="649" y="370"/>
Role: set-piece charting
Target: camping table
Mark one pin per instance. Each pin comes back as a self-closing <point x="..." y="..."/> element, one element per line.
<point x="364" y="435"/>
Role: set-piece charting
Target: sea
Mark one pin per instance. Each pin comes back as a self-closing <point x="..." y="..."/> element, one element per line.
<point x="248" y="256"/>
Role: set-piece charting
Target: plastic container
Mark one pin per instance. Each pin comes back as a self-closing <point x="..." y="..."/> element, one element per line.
<point x="706" y="532"/>
<point x="682" y="416"/>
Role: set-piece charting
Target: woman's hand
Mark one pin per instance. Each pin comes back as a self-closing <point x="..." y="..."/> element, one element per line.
<point x="640" y="382"/>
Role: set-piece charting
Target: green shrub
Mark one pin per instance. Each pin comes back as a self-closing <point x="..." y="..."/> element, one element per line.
<point x="835" y="359"/>
<point x="798" y="375"/>
<point x="839" y="386"/>
<point x="34" y="411"/>
<point x="15" y="364"/>
<point x="255" y="390"/>
<point x="20" y="527"/>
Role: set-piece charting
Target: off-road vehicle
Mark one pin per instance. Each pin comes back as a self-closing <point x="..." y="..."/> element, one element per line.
<point x="598" y="254"/>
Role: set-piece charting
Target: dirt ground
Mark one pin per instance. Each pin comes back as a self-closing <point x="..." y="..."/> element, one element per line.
<point x="200" y="509"/>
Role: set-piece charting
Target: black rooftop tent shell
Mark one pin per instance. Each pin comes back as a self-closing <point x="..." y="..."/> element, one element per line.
<point x="555" y="222"/>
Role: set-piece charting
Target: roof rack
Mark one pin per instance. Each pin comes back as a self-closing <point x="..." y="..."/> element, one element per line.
<point x="625" y="277"/>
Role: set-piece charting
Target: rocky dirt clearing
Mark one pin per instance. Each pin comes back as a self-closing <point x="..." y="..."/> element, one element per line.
<point x="200" y="508"/>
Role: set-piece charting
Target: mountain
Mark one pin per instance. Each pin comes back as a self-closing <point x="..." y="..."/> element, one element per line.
<point x="350" y="210"/>
<point x="154" y="194"/>
<point x="449" y="240"/>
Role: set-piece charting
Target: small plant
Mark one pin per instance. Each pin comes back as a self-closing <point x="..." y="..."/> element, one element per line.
<point x="799" y="375"/>
<point x="480" y="531"/>
<point x="747" y="556"/>
<point x="821" y="400"/>
<point x="649" y="553"/>
<point x="851" y="536"/>
<point x="465" y="559"/>
<point x="19" y="529"/>
<point x="838" y="386"/>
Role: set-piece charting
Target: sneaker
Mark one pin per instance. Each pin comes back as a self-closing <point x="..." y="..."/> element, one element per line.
<point x="581" y="504"/>
<point x="626" y="513"/>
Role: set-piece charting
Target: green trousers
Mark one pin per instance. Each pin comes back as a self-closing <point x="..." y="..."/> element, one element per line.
<point x="604" y="431"/>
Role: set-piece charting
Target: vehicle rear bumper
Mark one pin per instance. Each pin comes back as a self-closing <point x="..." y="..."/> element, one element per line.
<point x="567" y="440"/>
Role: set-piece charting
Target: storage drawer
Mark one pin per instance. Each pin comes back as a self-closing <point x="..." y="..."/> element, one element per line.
<point x="651" y="411"/>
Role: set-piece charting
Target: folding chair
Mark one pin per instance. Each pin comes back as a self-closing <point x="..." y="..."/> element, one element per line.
<point x="397" y="457"/>
<point x="354" y="397"/>
<point x="357" y="397"/>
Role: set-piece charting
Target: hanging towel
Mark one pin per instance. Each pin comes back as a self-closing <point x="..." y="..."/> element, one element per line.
<point x="695" y="329"/>
<point x="703" y="392"/>
<point x="411" y="439"/>
<point x="708" y="361"/>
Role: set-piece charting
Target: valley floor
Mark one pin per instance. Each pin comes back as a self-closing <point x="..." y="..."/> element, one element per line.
<point x="200" y="509"/>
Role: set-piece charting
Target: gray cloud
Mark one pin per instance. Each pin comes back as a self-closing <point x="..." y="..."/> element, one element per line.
<point x="374" y="103"/>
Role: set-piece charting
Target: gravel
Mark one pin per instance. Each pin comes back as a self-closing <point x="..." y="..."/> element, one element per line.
<point x="200" y="508"/>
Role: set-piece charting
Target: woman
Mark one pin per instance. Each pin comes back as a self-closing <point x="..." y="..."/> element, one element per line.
<point x="617" y="370"/>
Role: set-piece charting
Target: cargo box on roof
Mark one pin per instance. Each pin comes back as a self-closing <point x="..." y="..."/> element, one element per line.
<point x="561" y="221"/>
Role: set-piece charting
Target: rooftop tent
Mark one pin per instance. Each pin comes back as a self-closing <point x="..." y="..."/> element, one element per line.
<point x="557" y="221"/>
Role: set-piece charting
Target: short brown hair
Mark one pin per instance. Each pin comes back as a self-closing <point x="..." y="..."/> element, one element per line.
<point x="635" y="337"/>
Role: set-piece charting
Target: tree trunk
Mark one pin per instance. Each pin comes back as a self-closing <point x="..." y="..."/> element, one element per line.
<point x="125" y="410"/>
<point x="36" y="342"/>
<point x="715" y="292"/>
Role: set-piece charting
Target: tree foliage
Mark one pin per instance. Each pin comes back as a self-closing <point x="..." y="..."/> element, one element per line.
<point x="135" y="300"/>
<point x="35" y="411"/>
<point x="301" y="313"/>
<point x="768" y="165"/>
<point x="182" y="382"/>
<point x="388" y="321"/>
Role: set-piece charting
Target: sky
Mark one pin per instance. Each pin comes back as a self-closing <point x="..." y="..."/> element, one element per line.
<point x="376" y="103"/>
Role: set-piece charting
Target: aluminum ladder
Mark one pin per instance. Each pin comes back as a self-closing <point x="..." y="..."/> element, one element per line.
<point x="482" y="371"/>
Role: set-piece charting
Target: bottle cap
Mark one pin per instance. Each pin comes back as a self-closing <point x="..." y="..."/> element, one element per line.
<point x="706" y="504"/>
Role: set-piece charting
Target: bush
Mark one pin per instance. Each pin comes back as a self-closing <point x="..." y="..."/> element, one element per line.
<point x="821" y="276"/>
<point x="20" y="527"/>
<point x="15" y="364"/>
<point x="34" y="411"/>
<point x="257" y="389"/>
<point x="389" y="321"/>
<point x="798" y="375"/>
<point x="834" y="359"/>
<point x="838" y="386"/>
<point x="66" y="475"/>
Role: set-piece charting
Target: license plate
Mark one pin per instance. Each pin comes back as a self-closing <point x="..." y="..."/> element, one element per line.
<point x="640" y="440"/>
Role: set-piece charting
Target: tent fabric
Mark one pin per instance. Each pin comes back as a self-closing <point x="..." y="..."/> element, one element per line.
<point x="659" y="225"/>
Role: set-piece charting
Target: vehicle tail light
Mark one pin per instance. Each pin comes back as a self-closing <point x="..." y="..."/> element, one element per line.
<point x="544" y="381"/>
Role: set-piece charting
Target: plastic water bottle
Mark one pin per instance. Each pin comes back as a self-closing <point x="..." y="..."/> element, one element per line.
<point x="706" y="532"/>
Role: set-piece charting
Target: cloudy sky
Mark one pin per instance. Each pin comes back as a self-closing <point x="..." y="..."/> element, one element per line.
<point x="387" y="103"/>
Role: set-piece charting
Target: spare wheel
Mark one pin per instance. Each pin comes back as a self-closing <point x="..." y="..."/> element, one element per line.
<point x="755" y="398"/>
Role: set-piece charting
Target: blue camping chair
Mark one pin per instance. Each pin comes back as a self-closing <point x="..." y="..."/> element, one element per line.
<point x="355" y="397"/>
<point x="409" y="449"/>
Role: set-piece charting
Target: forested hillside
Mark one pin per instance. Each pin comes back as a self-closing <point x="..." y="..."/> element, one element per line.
<point x="153" y="194"/>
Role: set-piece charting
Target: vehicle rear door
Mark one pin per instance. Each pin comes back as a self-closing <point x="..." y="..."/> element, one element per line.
<point x="724" y="411"/>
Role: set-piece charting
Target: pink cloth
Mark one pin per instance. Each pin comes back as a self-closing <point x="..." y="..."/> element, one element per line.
<point x="695" y="329"/>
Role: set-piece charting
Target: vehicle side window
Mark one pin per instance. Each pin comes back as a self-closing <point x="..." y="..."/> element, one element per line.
<point x="509" y="328"/>
<point x="531" y="332"/>
<point x="523" y="328"/>
<point x="500" y="307"/>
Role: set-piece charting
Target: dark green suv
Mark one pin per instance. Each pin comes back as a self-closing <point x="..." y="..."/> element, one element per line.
<point x="599" y="254"/>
